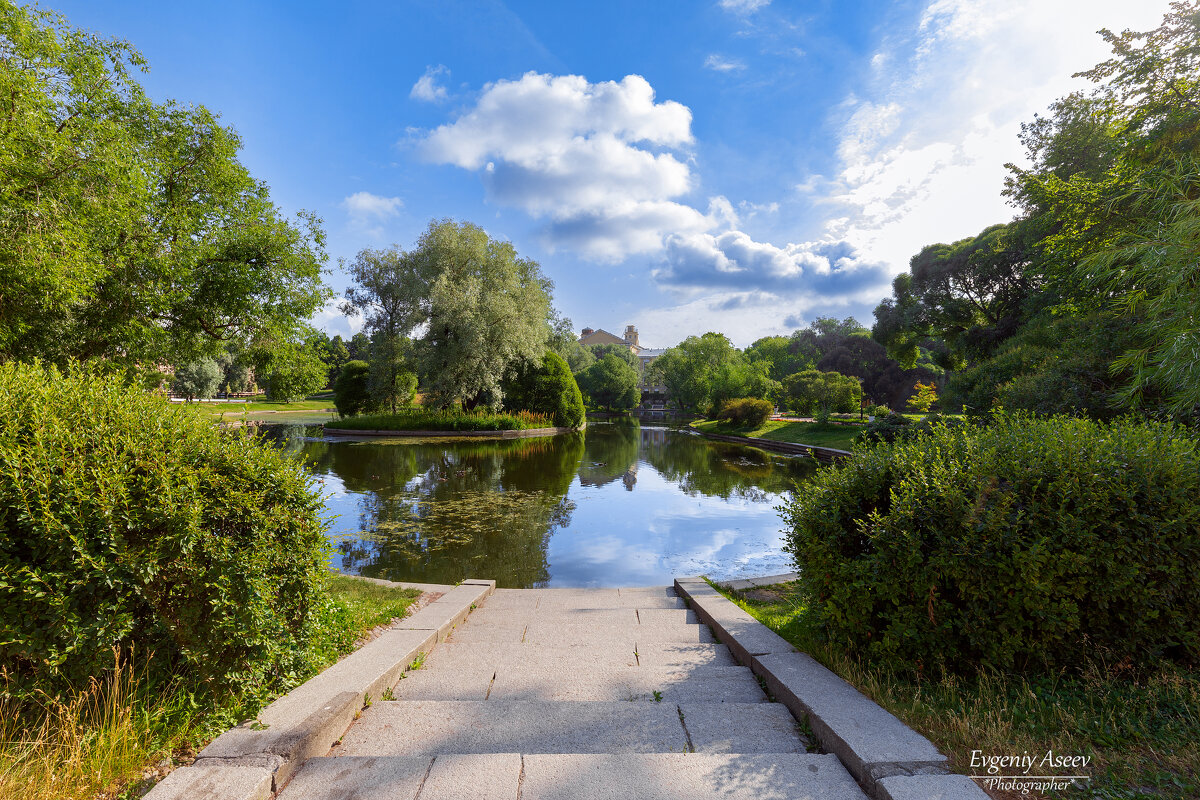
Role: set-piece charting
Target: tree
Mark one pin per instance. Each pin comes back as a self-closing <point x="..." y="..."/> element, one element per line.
<point x="481" y="309"/>
<point x="351" y="394"/>
<point x="565" y="343"/>
<point x="546" y="388"/>
<point x="235" y="373"/>
<point x="611" y="383"/>
<point x="621" y="351"/>
<point x="129" y="230"/>
<point x="781" y="353"/>
<point x="923" y="398"/>
<point x="822" y="393"/>
<point x="197" y="379"/>
<point x="294" y="372"/>
<point x="702" y="371"/>
<point x="968" y="294"/>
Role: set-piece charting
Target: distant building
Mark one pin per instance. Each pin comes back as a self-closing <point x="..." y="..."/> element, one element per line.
<point x="654" y="397"/>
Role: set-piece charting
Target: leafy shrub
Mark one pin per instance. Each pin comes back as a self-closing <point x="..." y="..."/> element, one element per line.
<point x="812" y="392"/>
<point x="449" y="419"/>
<point x="125" y="523"/>
<point x="351" y="390"/>
<point x="878" y="411"/>
<point x="746" y="412"/>
<point x="198" y="379"/>
<point x="1032" y="543"/>
<point x="886" y="428"/>
<point x="548" y="388"/>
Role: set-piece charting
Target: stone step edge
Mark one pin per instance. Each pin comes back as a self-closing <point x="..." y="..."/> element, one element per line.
<point x="252" y="761"/>
<point x="881" y="749"/>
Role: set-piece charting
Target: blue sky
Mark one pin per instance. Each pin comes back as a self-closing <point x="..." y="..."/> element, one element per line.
<point x="733" y="165"/>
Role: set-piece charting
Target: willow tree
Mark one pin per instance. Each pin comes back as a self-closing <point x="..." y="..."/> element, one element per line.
<point x="476" y="308"/>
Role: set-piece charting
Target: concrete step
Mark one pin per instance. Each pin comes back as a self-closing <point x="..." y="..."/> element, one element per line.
<point x="504" y="726"/>
<point x="518" y="682"/>
<point x="546" y="632"/>
<point x="659" y="776"/>
<point x="569" y="658"/>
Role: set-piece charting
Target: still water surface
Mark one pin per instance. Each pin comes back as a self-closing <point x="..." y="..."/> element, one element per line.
<point x="622" y="504"/>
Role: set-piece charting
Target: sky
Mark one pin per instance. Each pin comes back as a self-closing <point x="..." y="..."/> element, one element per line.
<point x="741" y="166"/>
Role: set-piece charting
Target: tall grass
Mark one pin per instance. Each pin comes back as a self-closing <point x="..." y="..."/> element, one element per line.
<point x="1141" y="727"/>
<point x="85" y="745"/>
<point x="120" y="733"/>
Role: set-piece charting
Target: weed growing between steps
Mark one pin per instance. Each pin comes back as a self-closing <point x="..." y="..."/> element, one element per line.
<point x="120" y="733"/>
<point x="1141" y="728"/>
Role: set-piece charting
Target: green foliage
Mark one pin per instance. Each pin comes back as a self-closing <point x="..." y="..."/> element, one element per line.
<point x="887" y="427"/>
<point x="621" y="351"/>
<point x="704" y="370"/>
<point x="548" y="388"/>
<point x="127" y="523"/>
<point x="129" y="230"/>
<point x="749" y="412"/>
<point x="1032" y="543"/>
<point x="565" y="343"/>
<point x="611" y="383"/>
<point x="815" y="392"/>
<point x="445" y="419"/>
<point x="294" y="372"/>
<point x="878" y="411"/>
<point x="923" y="398"/>
<point x="351" y="393"/>
<point x="199" y="379"/>
<point x="482" y="308"/>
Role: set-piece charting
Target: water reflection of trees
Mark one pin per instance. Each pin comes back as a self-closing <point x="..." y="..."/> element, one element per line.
<point x="436" y="513"/>
<point x="719" y="469"/>
<point x="611" y="452"/>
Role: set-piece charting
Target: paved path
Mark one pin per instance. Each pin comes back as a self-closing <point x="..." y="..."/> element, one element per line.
<point x="576" y="693"/>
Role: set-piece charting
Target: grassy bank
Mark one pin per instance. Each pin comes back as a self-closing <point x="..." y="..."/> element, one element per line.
<point x="112" y="738"/>
<point x="816" y="434"/>
<point x="1141" y="729"/>
<point x="260" y="405"/>
<point x="421" y="419"/>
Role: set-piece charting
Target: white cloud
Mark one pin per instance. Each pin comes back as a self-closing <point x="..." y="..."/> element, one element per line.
<point x="331" y="320"/>
<point x="368" y="212"/>
<point x="722" y="64"/>
<point x="601" y="162"/>
<point x="923" y="149"/>
<point x="427" y="88"/>
<point x="743" y="6"/>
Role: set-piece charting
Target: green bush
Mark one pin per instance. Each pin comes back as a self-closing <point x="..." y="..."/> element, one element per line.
<point x="1032" y="543"/>
<point x="746" y="412"/>
<point x="548" y="388"/>
<point x="878" y="411"/>
<point x="351" y="390"/>
<point x="448" y="419"/>
<point x="125" y="522"/>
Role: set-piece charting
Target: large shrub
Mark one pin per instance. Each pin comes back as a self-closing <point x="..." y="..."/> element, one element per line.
<point x="127" y="523"/>
<point x="351" y="390"/>
<point x="1032" y="543"/>
<point x="546" y="388"/>
<point x="746" y="412"/>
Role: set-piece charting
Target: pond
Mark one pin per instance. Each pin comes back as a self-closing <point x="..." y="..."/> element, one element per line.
<point x="621" y="504"/>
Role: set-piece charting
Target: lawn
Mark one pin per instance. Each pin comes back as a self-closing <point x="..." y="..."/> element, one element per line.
<point x="99" y="743"/>
<point x="1142" y="730"/>
<point x="839" y="437"/>
<point x="260" y="405"/>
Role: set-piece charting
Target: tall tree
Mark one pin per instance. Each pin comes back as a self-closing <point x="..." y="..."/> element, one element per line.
<point x="128" y="228"/>
<point x="480" y="308"/>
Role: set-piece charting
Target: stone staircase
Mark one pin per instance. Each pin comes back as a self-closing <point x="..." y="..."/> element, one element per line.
<point x="575" y="693"/>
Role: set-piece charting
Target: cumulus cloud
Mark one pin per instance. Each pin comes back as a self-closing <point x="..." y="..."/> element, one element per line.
<point x="743" y="6"/>
<point x="368" y="212"/>
<point x="722" y="64"/>
<point x="331" y="319"/>
<point x="427" y="87"/>
<point x="601" y="162"/>
<point x="733" y="259"/>
<point x="604" y="166"/>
